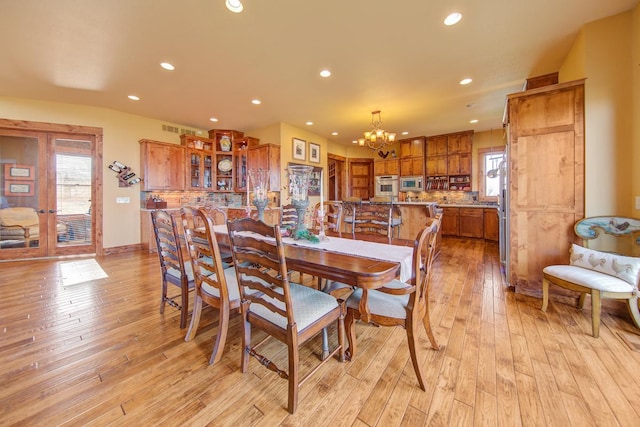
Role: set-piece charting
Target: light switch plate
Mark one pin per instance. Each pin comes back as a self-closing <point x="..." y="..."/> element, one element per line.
<point x="122" y="200"/>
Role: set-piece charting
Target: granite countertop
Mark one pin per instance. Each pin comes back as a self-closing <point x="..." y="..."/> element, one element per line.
<point x="468" y="205"/>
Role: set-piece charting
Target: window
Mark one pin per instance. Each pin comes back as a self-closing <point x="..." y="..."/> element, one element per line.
<point x="489" y="179"/>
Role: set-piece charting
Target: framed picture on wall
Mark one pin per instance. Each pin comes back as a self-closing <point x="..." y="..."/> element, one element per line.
<point x="314" y="152"/>
<point x="299" y="149"/>
<point x="18" y="188"/>
<point x="19" y="172"/>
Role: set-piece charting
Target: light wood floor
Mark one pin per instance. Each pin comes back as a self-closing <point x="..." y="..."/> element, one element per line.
<point x="97" y="352"/>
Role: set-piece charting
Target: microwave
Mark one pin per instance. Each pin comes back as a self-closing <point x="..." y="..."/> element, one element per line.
<point x="411" y="183"/>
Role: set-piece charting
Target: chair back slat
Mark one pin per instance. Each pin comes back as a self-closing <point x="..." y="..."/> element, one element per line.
<point x="424" y="253"/>
<point x="258" y="254"/>
<point x="373" y="219"/>
<point x="167" y="241"/>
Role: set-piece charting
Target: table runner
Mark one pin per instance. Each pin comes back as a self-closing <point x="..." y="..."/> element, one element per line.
<point x="373" y="250"/>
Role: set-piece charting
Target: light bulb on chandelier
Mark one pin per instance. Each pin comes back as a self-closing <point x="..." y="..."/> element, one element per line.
<point x="376" y="138"/>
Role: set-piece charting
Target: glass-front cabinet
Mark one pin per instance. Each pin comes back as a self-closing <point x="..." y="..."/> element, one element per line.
<point x="200" y="162"/>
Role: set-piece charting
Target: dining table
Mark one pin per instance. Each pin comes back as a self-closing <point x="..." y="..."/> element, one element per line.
<point x="368" y="263"/>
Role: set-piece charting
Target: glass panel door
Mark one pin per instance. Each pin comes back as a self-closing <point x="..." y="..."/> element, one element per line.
<point x="23" y="201"/>
<point x="71" y="221"/>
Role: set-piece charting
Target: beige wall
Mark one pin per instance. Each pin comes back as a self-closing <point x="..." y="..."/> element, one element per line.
<point x="602" y="54"/>
<point x="121" y="132"/>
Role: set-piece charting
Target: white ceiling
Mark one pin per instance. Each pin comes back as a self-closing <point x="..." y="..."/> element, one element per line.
<point x="396" y="56"/>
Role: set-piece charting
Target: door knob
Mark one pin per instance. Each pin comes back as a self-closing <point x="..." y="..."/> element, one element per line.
<point x="41" y="211"/>
<point x="52" y="211"/>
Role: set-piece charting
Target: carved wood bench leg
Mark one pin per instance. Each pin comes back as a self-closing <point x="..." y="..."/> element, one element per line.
<point x="633" y="310"/>
<point x="595" y="312"/>
<point x="545" y="294"/>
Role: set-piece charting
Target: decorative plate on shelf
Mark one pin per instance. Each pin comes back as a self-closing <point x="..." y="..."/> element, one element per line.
<point x="225" y="165"/>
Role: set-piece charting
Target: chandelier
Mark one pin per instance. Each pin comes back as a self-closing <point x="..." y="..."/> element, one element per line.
<point x="376" y="138"/>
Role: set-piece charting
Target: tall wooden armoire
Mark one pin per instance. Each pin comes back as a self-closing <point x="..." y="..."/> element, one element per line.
<point x="545" y="180"/>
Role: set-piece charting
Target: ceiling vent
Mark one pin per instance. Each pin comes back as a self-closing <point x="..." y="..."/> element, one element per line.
<point x="169" y="128"/>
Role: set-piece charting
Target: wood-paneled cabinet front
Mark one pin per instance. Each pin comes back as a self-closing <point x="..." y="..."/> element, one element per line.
<point x="163" y="165"/>
<point x="491" y="224"/>
<point x="450" y="221"/>
<point x="386" y="167"/>
<point x="266" y="156"/>
<point x="471" y="223"/>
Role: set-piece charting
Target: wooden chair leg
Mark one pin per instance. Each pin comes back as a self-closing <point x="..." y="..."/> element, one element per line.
<point x="350" y="328"/>
<point x="595" y="312"/>
<point x="412" y="339"/>
<point x="184" y="302"/>
<point x="195" y="319"/>
<point x="341" y="331"/>
<point x="545" y="294"/>
<point x="583" y="295"/>
<point x="293" y="371"/>
<point x="246" y="339"/>
<point x="163" y="297"/>
<point x="427" y="327"/>
<point x="221" y="338"/>
<point x="632" y="305"/>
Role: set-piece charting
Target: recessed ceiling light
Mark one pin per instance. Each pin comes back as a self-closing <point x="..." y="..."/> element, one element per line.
<point x="134" y="98"/>
<point x="256" y="101"/>
<point x="234" y="6"/>
<point x="405" y="133"/>
<point x="466" y="81"/>
<point x="325" y="73"/>
<point x="473" y="121"/>
<point x="213" y="119"/>
<point x="453" y="18"/>
<point x="334" y="133"/>
<point x="309" y="123"/>
<point x="355" y="141"/>
<point x="167" y="66"/>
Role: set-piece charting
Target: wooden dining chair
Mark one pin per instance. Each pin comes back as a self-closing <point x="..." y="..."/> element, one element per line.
<point x="290" y="312"/>
<point x="288" y="217"/>
<point x="174" y="269"/>
<point x="215" y="285"/>
<point x="399" y="303"/>
<point x="332" y="218"/>
<point x="373" y="219"/>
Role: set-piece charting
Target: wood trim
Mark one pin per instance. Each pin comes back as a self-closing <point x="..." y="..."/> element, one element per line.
<point x="336" y="157"/>
<point x="49" y="127"/>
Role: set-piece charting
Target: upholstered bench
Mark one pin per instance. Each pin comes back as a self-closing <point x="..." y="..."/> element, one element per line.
<point x="600" y="274"/>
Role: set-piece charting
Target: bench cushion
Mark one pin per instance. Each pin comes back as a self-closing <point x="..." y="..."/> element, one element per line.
<point x="621" y="267"/>
<point x="588" y="278"/>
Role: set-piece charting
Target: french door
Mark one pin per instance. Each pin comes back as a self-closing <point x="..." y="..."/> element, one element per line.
<point x="49" y="192"/>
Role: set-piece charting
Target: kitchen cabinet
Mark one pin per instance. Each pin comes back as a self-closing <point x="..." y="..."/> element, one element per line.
<point x="386" y="167"/>
<point x="199" y="162"/>
<point x="163" y="166"/>
<point x="491" y="224"/>
<point x="266" y="156"/>
<point x="545" y="131"/>
<point x="471" y="223"/>
<point x="224" y="142"/>
<point x="448" y="162"/>
<point x="412" y="156"/>
<point x="413" y="166"/>
<point x="450" y="219"/>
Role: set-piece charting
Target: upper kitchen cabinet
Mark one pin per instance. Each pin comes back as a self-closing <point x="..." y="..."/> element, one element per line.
<point x="200" y="160"/>
<point x="162" y="165"/>
<point x="267" y="157"/>
<point x="545" y="129"/>
<point x="240" y="158"/>
<point x="412" y="156"/>
<point x="224" y="168"/>
<point x="386" y="167"/>
<point x="448" y="161"/>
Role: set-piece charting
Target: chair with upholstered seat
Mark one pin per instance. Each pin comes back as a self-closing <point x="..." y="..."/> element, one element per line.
<point x="174" y="269"/>
<point x="600" y="274"/>
<point x="332" y="218"/>
<point x="399" y="303"/>
<point x="396" y="215"/>
<point x="290" y="312"/>
<point x="21" y="225"/>
<point x="215" y="285"/>
<point x="373" y="219"/>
